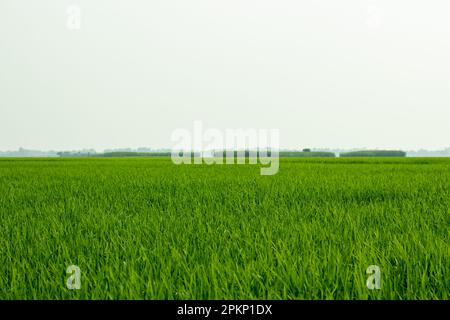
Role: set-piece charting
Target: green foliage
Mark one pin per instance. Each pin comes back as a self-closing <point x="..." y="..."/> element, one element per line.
<point x="307" y="154"/>
<point x="374" y="153"/>
<point x="122" y="154"/>
<point x="69" y="154"/>
<point x="296" y="154"/>
<point x="144" y="228"/>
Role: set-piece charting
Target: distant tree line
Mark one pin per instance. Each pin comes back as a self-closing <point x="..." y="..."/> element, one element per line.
<point x="306" y="153"/>
<point x="71" y="154"/>
<point x="133" y="154"/>
<point x="374" y="153"/>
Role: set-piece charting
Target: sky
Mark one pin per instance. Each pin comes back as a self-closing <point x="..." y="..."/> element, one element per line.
<point x="325" y="73"/>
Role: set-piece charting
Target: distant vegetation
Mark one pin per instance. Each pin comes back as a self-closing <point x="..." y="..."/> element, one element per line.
<point x="282" y="154"/>
<point x="374" y="153"/>
<point x="75" y="154"/>
<point x="133" y="154"/>
<point x="148" y="152"/>
<point x="307" y="154"/>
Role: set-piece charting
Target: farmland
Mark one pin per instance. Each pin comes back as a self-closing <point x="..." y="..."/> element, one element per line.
<point x="144" y="228"/>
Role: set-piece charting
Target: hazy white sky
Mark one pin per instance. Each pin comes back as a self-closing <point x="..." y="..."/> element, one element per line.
<point x="327" y="73"/>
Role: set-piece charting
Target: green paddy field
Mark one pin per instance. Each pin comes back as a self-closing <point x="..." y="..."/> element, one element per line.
<point x="144" y="228"/>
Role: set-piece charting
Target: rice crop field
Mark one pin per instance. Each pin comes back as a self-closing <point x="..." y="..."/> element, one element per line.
<point x="144" y="228"/>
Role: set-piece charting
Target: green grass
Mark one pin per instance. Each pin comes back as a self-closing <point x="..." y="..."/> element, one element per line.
<point x="147" y="229"/>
